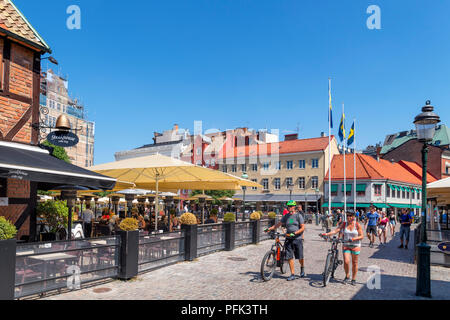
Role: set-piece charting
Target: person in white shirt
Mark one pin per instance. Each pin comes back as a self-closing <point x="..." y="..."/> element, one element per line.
<point x="88" y="218"/>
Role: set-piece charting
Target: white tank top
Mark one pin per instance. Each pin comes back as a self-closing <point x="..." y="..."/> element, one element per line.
<point x="350" y="234"/>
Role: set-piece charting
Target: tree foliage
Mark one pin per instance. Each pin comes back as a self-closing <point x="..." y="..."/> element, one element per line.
<point x="58" y="152"/>
<point x="55" y="213"/>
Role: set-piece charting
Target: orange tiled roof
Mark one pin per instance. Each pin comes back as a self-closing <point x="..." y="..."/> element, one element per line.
<point x="369" y="168"/>
<point x="283" y="147"/>
<point x="12" y="20"/>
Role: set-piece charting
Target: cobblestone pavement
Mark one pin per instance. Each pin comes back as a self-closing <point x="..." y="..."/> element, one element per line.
<point x="217" y="277"/>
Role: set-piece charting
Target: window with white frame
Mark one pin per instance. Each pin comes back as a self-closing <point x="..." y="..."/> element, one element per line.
<point x="315" y="163"/>
<point x="243" y="167"/>
<point x="233" y="168"/>
<point x="289" y="165"/>
<point x="288" y="182"/>
<point x="224" y="168"/>
<point x="301" y="183"/>
<point x="277" y="183"/>
<point x="301" y="164"/>
<point x="266" y="166"/>
<point x="254" y="167"/>
<point x="265" y="184"/>
<point x="278" y="165"/>
<point x="315" y="182"/>
<point x="254" y="188"/>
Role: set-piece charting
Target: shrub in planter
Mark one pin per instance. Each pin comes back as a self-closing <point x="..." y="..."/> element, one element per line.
<point x="214" y="212"/>
<point x="188" y="219"/>
<point x="7" y="229"/>
<point x="272" y="215"/>
<point x="55" y="214"/>
<point x="129" y="224"/>
<point x="256" y="215"/>
<point x="229" y="217"/>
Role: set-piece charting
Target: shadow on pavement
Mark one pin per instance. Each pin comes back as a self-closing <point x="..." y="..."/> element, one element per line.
<point x="400" y="288"/>
<point x="257" y="276"/>
<point x="391" y="252"/>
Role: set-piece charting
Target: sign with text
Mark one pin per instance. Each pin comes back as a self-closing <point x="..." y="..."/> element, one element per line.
<point x="63" y="139"/>
<point x="3" y="202"/>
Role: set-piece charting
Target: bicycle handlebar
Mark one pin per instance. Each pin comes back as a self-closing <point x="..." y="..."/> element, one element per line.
<point x="334" y="239"/>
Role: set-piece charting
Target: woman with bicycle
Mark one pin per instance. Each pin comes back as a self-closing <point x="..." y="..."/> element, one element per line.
<point x="352" y="235"/>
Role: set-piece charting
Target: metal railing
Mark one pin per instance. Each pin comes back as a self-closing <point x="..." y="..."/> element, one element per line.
<point x="44" y="267"/>
<point x="210" y="238"/>
<point x="264" y="235"/>
<point x="244" y="233"/>
<point x="156" y="251"/>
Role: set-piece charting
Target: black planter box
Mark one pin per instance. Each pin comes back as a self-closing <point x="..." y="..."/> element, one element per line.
<point x="256" y="231"/>
<point x="190" y="244"/>
<point x="230" y="235"/>
<point x="48" y="237"/>
<point x="7" y="268"/>
<point x="129" y="254"/>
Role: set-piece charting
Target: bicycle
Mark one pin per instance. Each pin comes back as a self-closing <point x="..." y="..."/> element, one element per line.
<point x="332" y="261"/>
<point x="274" y="258"/>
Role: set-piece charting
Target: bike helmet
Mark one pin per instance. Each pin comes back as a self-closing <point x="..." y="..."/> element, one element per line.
<point x="291" y="204"/>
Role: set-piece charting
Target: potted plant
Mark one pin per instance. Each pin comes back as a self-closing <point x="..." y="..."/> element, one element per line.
<point x="129" y="253"/>
<point x="229" y="217"/>
<point x="55" y="214"/>
<point x="189" y="225"/>
<point x="8" y="259"/>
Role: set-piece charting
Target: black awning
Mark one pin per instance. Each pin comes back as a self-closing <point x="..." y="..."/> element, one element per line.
<point x="26" y="162"/>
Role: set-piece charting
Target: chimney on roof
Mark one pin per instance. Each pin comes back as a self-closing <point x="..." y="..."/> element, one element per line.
<point x="322" y="134"/>
<point x="289" y="137"/>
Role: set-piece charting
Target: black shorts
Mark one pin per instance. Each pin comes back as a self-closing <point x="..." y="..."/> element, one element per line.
<point x="294" y="248"/>
<point x="372" y="229"/>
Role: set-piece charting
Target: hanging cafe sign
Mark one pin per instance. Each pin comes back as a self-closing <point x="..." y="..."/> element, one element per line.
<point x="63" y="139"/>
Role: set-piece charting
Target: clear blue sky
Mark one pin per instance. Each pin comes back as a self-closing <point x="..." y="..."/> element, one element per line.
<point x="142" y="66"/>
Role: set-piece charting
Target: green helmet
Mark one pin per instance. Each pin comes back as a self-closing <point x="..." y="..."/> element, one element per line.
<point x="291" y="204"/>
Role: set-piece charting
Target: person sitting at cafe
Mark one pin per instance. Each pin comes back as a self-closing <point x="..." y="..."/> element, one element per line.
<point x="212" y="219"/>
<point x="174" y="223"/>
<point x="88" y="219"/>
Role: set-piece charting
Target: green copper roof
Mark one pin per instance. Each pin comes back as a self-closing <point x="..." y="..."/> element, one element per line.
<point x="441" y="138"/>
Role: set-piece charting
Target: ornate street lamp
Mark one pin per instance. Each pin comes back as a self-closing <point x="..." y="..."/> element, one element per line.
<point x="244" y="176"/>
<point x="426" y="128"/>
<point x="316" y="191"/>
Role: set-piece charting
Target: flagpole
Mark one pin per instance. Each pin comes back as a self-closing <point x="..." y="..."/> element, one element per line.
<point x="354" y="163"/>
<point x="329" y="147"/>
<point x="345" y="177"/>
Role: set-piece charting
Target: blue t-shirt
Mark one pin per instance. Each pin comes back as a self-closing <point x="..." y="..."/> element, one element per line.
<point x="405" y="218"/>
<point x="373" y="218"/>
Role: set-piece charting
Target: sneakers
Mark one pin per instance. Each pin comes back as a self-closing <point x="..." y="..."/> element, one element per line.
<point x="302" y="273"/>
<point x="406" y="247"/>
<point x="291" y="277"/>
<point x="400" y="246"/>
<point x="353" y="282"/>
<point x="347" y="280"/>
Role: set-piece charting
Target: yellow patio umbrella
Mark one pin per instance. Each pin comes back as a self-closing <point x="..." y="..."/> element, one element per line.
<point x="158" y="172"/>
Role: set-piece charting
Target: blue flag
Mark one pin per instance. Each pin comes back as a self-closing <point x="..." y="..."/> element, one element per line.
<point x="342" y="128"/>
<point x="351" y="135"/>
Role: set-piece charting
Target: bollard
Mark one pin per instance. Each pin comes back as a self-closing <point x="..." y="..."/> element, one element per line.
<point x="129" y="254"/>
<point x="7" y="269"/>
<point x="256" y="231"/>
<point x="230" y="229"/>
<point x="190" y="243"/>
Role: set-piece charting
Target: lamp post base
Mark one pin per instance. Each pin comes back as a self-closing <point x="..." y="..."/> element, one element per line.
<point x="423" y="284"/>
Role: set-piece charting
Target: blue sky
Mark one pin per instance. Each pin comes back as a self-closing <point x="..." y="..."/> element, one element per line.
<point x="142" y="66"/>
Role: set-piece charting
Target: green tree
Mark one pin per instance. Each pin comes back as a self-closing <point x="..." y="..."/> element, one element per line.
<point x="216" y="194"/>
<point x="58" y="152"/>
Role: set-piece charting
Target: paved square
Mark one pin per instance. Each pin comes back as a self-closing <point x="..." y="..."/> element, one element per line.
<point x="220" y="276"/>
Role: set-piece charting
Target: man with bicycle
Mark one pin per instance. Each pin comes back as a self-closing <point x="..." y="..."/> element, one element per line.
<point x="295" y="226"/>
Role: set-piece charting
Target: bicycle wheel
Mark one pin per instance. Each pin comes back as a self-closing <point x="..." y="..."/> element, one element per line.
<point x="328" y="269"/>
<point x="268" y="265"/>
<point x="283" y="263"/>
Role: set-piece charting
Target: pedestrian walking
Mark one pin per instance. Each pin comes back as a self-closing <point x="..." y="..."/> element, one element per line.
<point x="352" y="235"/>
<point x="405" y="227"/>
<point x="382" y="226"/>
<point x="392" y="222"/>
<point x="372" y="219"/>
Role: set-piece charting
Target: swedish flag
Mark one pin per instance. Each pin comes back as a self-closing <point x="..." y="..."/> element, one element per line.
<point x="342" y="128"/>
<point x="351" y="135"/>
